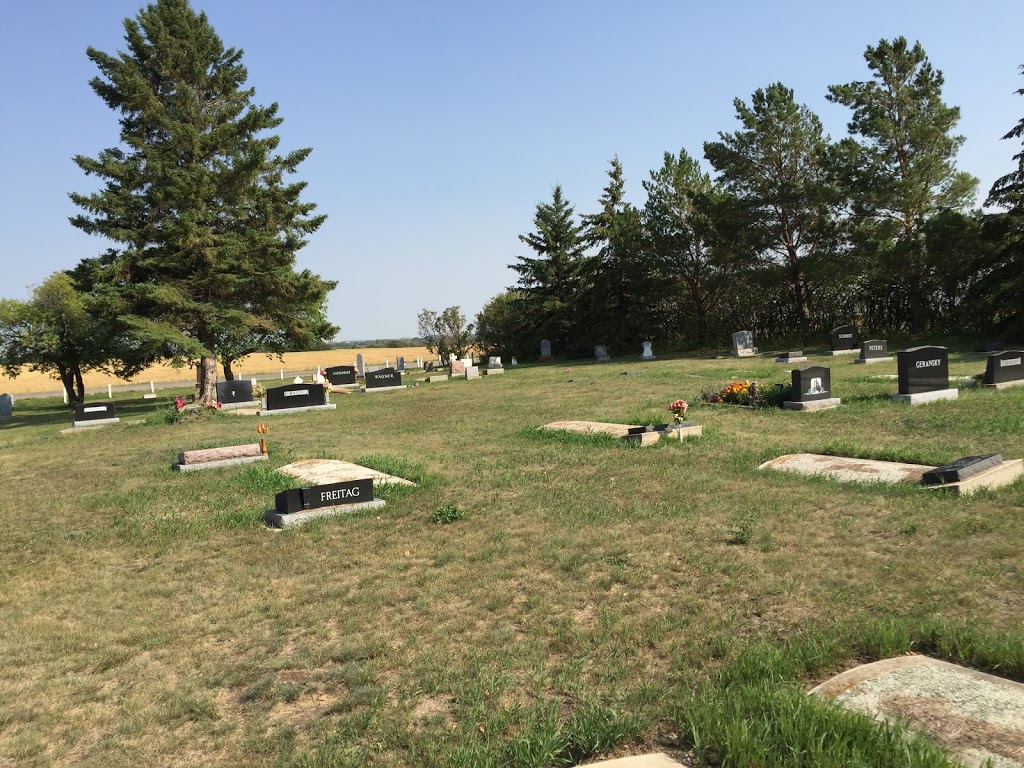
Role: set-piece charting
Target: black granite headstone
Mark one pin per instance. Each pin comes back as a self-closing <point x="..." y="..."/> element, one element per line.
<point x="874" y="348"/>
<point x="331" y="495"/>
<point x="295" y="396"/>
<point x="922" y="369"/>
<point x="385" y="377"/>
<point x="1005" y="366"/>
<point x="812" y="382"/>
<point x="961" y="469"/>
<point x="340" y="375"/>
<point x="94" y="411"/>
<point x="843" y="337"/>
<point x="239" y="391"/>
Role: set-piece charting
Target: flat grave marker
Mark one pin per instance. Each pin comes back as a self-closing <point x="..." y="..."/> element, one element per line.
<point x="644" y="434"/>
<point x="924" y="375"/>
<point x="322" y="471"/>
<point x="211" y="458"/>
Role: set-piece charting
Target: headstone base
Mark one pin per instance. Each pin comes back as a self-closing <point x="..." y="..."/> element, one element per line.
<point x="834" y="352"/>
<point x="282" y="411"/>
<point x="784" y="359"/>
<point x="1005" y="384"/>
<point x="219" y="463"/>
<point x="275" y="519"/>
<point x="494" y="371"/>
<point x="604" y="359"/>
<point x="243" y="404"/>
<point x="645" y="359"/>
<point x="94" y="423"/>
<point x="812" y="405"/>
<point x="745" y="352"/>
<point x="920" y="398"/>
<point x="371" y="390"/>
<point x="869" y="360"/>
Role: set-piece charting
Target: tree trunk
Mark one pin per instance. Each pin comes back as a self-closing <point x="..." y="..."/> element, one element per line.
<point x="68" y="381"/>
<point x="229" y="375"/>
<point x="207" y="384"/>
<point x="79" y="385"/>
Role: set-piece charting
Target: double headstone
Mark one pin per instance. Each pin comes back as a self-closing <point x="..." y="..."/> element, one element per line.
<point x="384" y="378"/>
<point x="6" y="406"/>
<point x="811" y="389"/>
<point x="601" y="353"/>
<point x="843" y="340"/>
<point x="923" y="374"/>
<point x="743" y="344"/>
<point x="545" y="351"/>
<point x="1003" y="369"/>
<point x="647" y="353"/>
<point x="234" y="393"/>
<point x="874" y="351"/>
<point x="360" y="365"/>
<point x="341" y="375"/>
<point x="297" y="396"/>
<point x="94" y="414"/>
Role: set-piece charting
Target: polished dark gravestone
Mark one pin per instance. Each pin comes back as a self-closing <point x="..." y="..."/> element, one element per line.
<point x="298" y="505"/>
<point x="94" y="414"/>
<point x="811" y="389"/>
<point x="297" y="397"/>
<point x="341" y="375"/>
<point x="874" y="351"/>
<point x="383" y="379"/>
<point x="236" y="393"/>
<point x="1005" y="369"/>
<point x="961" y="469"/>
<point x="843" y="340"/>
<point x="923" y="374"/>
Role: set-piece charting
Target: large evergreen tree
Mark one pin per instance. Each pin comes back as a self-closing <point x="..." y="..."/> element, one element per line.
<point x="901" y="171"/>
<point x="551" y="279"/>
<point x="777" y="166"/>
<point x="194" y="196"/>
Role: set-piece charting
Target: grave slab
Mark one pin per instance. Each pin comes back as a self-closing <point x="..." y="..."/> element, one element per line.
<point x="920" y="398"/>
<point x="848" y="469"/>
<point x="325" y="471"/>
<point x="812" y="405"/>
<point x="974" y="715"/>
<point x="628" y="432"/>
<point x="302" y="409"/>
<point x="371" y="390"/>
<point x="652" y="760"/>
<point x="237" y="406"/>
<point x="275" y="519"/>
<point x="217" y="463"/>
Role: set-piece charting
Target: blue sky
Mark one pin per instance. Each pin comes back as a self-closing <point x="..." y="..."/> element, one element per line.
<point x="437" y="127"/>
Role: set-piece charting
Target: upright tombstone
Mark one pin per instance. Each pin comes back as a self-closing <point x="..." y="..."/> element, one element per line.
<point x="458" y="368"/>
<point x="1004" y="369"/>
<point x="383" y="380"/>
<point x="647" y="353"/>
<point x="341" y="375"/>
<point x="472" y="372"/>
<point x="6" y="407"/>
<point x="235" y="394"/>
<point x="923" y="374"/>
<point x="494" y="366"/>
<point x="94" y="414"/>
<point x="293" y="398"/>
<point x="400" y="364"/>
<point x="843" y="340"/>
<point x="360" y="365"/>
<point x="545" y="351"/>
<point x="514" y="362"/>
<point x="743" y="344"/>
<point x="811" y="389"/>
<point x="601" y="353"/>
<point x="874" y="351"/>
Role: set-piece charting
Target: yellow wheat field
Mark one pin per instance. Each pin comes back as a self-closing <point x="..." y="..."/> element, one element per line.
<point x="253" y="365"/>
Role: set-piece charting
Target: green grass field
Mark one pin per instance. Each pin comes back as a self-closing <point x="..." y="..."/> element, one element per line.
<point x="538" y="600"/>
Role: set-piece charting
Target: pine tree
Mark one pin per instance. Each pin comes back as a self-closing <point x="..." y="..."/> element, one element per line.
<point x="194" y="196"/>
<point x="902" y="170"/>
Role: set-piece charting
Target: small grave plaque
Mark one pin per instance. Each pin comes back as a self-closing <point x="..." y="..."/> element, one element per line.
<point x="810" y="383"/>
<point x="545" y="350"/>
<point x="1005" y="367"/>
<point x="238" y="391"/>
<point x="6" y="406"/>
<point x="86" y="412"/>
<point x="295" y="396"/>
<point x="341" y="375"/>
<point x="332" y="495"/>
<point x="874" y="349"/>
<point x="923" y="369"/>
<point x="385" y="377"/>
<point x="844" y="338"/>
<point x="961" y="469"/>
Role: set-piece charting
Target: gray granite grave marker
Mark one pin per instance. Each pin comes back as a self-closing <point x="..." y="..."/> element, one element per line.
<point x="545" y="350"/>
<point x="6" y="406"/>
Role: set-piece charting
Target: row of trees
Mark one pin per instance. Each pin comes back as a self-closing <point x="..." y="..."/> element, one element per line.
<point x="795" y="233"/>
<point x="203" y="224"/>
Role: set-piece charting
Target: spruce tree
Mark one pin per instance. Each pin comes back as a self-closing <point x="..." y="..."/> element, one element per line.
<point x="194" y="196"/>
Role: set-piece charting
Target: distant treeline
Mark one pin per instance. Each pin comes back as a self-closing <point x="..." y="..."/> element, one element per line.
<point x="379" y="343"/>
<point x="793" y="234"/>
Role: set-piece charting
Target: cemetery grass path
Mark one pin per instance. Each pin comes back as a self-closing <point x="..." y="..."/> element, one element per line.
<point x="586" y="603"/>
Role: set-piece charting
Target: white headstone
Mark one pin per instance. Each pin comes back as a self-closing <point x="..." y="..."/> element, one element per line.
<point x="648" y="353"/>
<point x="514" y="362"/>
<point x="472" y="372"/>
<point x="297" y="380"/>
<point x="494" y="362"/>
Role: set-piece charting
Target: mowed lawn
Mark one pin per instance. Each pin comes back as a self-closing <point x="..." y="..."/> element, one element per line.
<point x="149" y="618"/>
<point x="250" y="365"/>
